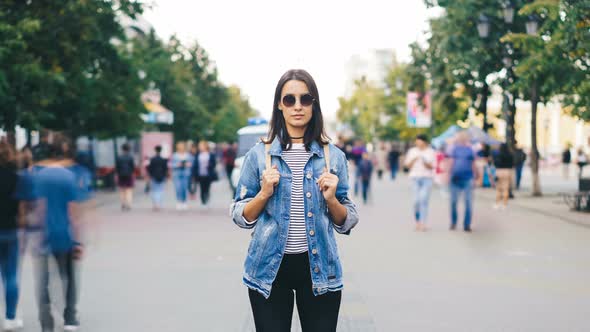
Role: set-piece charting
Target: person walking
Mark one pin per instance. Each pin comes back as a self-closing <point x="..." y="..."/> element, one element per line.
<point x="420" y="161"/>
<point x="393" y="160"/>
<point x="9" y="242"/>
<point x="463" y="172"/>
<point x="381" y="159"/>
<point x="157" y="171"/>
<point x="62" y="191"/>
<point x="204" y="171"/>
<point x="582" y="161"/>
<point x="504" y="163"/>
<point x="293" y="190"/>
<point x="566" y="160"/>
<point x="365" y="169"/>
<point x="181" y="164"/>
<point x="125" y="167"/>
<point x="229" y="159"/>
<point x="519" y="160"/>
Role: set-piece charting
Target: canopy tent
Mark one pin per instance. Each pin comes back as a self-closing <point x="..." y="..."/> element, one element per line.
<point x="477" y="136"/>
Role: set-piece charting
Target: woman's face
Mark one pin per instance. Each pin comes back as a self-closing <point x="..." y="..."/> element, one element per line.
<point x="203" y="146"/>
<point x="180" y="147"/>
<point x="296" y="115"/>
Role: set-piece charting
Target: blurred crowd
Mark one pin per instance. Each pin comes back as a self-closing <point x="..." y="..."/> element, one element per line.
<point x="45" y="195"/>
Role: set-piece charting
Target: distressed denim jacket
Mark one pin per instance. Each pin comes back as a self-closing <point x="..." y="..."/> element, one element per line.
<point x="269" y="238"/>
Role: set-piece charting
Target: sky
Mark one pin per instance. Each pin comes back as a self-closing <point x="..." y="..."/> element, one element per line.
<point x="254" y="42"/>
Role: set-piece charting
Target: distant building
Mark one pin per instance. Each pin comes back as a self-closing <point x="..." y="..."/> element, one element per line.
<point x="555" y="128"/>
<point x="373" y="66"/>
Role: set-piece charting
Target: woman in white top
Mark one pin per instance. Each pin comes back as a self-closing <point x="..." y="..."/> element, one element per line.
<point x="420" y="160"/>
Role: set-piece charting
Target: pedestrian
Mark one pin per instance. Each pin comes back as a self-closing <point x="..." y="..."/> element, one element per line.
<point x="181" y="164"/>
<point x="420" y="161"/>
<point x="192" y="186"/>
<point x="504" y="163"/>
<point x="381" y="158"/>
<point x="365" y="169"/>
<point x="519" y="160"/>
<point x="125" y="167"/>
<point x="229" y="159"/>
<point x="463" y="172"/>
<point x="41" y="150"/>
<point x="566" y="159"/>
<point x="158" y="172"/>
<point x="581" y="160"/>
<point x="9" y="242"/>
<point x="296" y="198"/>
<point x="204" y="171"/>
<point x="357" y="155"/>
<point x="62" y="191"/>
<point x="393" y="160"/>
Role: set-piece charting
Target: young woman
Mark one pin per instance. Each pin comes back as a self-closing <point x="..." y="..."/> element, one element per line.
<point x="181" y="164"/>
<point x="295" y="204"/>
<point x="9" y="246"/>
<point x="125" y="167"/>
<point x="420" y="160"/>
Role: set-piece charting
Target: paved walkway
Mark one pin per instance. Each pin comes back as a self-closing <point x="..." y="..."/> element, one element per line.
<point x="520" y="270"/>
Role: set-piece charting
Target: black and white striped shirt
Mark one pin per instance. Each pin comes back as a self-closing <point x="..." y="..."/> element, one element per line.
<point x="296" y="158"/>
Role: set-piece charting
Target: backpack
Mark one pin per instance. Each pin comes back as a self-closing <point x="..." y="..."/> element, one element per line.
<point x="519" y="157"/>
<point x="158" y="169"/>
<point x="125" y="167"/>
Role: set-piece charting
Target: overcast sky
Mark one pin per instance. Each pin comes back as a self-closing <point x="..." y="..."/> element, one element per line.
<point x="254" y="42"/>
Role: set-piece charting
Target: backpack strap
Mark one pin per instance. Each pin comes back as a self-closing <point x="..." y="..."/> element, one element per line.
<point x="327" y="156"/>
<point x="267" y="155"/>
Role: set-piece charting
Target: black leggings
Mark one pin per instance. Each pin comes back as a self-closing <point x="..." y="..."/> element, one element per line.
<point x="205" y="183"/>
<point x="317" y="313"/>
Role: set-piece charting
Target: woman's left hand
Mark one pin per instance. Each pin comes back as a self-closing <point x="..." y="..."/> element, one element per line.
<point x="328" y="183"/>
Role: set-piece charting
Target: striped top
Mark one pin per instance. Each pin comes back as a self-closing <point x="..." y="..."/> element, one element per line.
<point x="296" y="158"/>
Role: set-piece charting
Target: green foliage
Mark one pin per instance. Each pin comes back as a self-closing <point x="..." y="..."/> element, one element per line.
<point x="68" y="65"/>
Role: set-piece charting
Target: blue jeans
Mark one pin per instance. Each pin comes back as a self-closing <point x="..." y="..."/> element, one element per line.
<point x="422" y="188"/>
<point x="181" y="185"/>
<point x="394" y="168"/>
<point x="518" y="175"/>
<point x="9" y="268"/>
<point x="157" y="192"/>
<point x="458" y="187"/>
<point x="66" y="267"/>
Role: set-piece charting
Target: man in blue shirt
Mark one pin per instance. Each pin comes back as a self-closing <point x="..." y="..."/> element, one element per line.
<point x="463" y="173"/>
<point x="58" y="189"/>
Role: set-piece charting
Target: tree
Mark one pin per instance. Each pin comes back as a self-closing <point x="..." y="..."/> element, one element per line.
<point x="66" y="73"/>
<point x="543" y="70"/>
<point x="363" y="110"/>
<point x="233" y="115"/>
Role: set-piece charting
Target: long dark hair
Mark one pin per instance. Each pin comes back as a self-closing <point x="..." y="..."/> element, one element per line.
<point x="315" y="128"/>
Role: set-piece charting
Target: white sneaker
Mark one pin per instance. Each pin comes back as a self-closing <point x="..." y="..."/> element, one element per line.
<point x="71" y="327"/>
<point x="496" y="206"/>
<point x="13" y="324"/>
<point x="178" y="206"/>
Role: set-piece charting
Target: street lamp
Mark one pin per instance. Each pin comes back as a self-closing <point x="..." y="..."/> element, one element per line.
<point x="483" y="26"/>
<point x="508" y="12"/>
<point x="532" y="25"/>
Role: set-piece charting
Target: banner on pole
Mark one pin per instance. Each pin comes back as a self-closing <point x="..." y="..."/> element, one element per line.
<point x="419" y="110"/>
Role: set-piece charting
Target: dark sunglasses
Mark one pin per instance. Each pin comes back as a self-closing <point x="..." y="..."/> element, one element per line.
<point x="305" y="100"/>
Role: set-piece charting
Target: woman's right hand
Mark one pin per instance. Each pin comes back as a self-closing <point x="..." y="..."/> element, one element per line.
<point x="270" y="179"/>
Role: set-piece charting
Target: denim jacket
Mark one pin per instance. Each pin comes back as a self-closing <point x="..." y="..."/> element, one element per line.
<point x="269" y="238"/>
